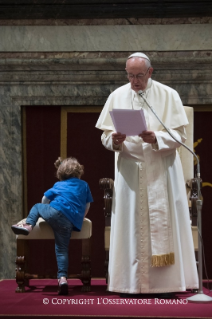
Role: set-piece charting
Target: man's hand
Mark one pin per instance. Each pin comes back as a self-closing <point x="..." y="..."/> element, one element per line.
<point x="118" y="138"/>
<point x="148" y="137"/>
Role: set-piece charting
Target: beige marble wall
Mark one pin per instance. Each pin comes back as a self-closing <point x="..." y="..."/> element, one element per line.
<point x="38" y="66"/>
<point x="106" y="38"/>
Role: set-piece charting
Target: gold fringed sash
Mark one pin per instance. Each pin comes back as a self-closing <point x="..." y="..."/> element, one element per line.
<point x="161" y="235"/>
<point x="163" y="260"/>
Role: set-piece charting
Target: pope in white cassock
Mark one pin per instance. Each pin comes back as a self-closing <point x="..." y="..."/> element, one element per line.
<point x="151" y="246"/>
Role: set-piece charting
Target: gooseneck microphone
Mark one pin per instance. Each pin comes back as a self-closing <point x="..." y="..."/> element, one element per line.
<point x="141" y="93"/>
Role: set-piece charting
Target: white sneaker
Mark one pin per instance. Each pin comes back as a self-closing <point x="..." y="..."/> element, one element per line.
<point x="62" y="286"/>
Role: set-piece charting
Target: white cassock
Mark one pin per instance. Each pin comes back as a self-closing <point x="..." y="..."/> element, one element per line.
<point x="151" y="246"/>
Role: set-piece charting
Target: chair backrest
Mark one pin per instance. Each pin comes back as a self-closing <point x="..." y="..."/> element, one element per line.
<point x="185" y="156"/>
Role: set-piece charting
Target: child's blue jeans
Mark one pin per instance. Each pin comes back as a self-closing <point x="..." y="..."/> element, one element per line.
<point x="62" y="228"/>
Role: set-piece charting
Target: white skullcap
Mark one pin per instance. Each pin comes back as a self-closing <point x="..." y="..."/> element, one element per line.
<point x="139" y="55"/>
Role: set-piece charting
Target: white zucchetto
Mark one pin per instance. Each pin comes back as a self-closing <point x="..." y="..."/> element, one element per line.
<point x="139" y="55"/>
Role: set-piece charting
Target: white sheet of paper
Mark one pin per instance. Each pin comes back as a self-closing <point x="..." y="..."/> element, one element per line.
<point x="129" y="122"/>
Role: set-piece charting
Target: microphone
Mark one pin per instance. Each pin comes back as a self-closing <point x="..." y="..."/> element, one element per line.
<point x="141" y="93"/>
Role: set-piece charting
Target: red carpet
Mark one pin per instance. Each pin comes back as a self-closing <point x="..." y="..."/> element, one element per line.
<point x="41" y="300"/>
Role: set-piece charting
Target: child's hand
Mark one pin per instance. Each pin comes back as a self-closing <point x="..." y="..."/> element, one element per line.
<point x="87" y="209"/>
<point x="86" y="212"/>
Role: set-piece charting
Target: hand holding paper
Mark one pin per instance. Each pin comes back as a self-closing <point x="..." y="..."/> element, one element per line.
<point x="128" y="122"/>
<point x="118" y="138"/>
<point x="149" y="137"/>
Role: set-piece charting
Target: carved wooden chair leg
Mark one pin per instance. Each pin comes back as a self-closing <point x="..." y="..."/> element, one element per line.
<point x="21" y="265"/>
<point x="107" y="185"/>
<point x="106" y="265"/>
<point x="20" y="272"/>
<point x="86" y="265"/>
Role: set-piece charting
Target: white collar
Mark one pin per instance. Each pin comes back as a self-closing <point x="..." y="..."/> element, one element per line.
<point x="149" y="84"/>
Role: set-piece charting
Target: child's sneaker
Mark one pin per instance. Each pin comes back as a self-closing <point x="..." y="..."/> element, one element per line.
<point x="62" y="286"/>
<point x="21" y="229"/>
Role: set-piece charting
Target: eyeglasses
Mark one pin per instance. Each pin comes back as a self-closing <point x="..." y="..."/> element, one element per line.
<point x="138" y="76"/>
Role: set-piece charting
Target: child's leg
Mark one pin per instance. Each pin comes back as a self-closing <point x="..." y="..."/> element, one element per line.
<point x="62" y="238"/>
<point x="62" y="228"/>
<point x="61" y="250"/>
<point x="38" y="210"/>
<point x="24" y="227"/>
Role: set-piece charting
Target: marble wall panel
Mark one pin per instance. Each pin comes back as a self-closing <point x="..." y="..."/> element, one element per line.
<point x="106" y="38"/>
<point x="10" y="185"/>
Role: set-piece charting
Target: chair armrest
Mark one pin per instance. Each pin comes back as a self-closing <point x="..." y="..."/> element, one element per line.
<point x="107" y="185"/>
<point x="193" y="196"/>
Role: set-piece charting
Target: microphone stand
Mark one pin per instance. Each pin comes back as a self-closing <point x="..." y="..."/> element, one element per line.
<point x="200" y="296"/>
